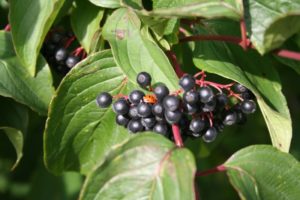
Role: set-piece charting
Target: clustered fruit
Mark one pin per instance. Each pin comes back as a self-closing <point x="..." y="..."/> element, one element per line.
<point x="200" y="111"/>
<point x="58" y="52"/>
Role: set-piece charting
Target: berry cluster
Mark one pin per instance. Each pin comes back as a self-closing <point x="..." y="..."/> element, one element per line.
<point x="56" y="50"/>
<point x="198" y="112"/>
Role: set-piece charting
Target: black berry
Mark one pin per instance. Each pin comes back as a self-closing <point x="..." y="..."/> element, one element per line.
<point x="222" y="100"/>
<point x="144" y="109"/>
<point x="71" y="61"/>
<point x="136" y="96"/>
<point x="161" y="128"/>
<point x="187" y="82"/>
<point x="135" y="126"/>
<point x="122" y="120"/>
<point x="143" y="79"/>
<point x="191" y="109"/>
<point x="206" y="94"/>
<point x="210" y="135"/>
<point x="248" y="106"/>
<point x="148" y="122"/>
<point x="209" y="106"/>
<point x="61" y="55"/>
<point x="104" y="100"/>
<point x="133" y="112"/>
<point x="239" y="88"/>
<point x="158" y="110"/>
<point x="161" y="91"/>
<point x="121" y="106"/>
<point x="229" y="117"/>
<point x="173" y="117"/>
<point x="197" y="125"/>
<point x="191" y="97"/>
<point x="171" y="103"/>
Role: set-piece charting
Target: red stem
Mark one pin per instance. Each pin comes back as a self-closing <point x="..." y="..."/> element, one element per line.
<point x="7" y="27"/>
<point x="197" y="195"/>
<point x="287" y="54"/>
<point x="177" y="136"/>
<point x="245" y="42"/>
<point x="78" y="51"/>
<point x="69" y="42"/>
<point x="171" y="55"/>
<point x="219" y="168"/>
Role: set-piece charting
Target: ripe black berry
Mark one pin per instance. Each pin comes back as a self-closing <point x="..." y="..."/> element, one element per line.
<point x="222" y="100"/>
<point x="239" y="88"/>
<point x="148" y="122"/>
<point x="135" y="126"/>
<point x="104" y="100"/>
<point x="191" y="109"/>
<point x="248" y="106"/>
<point x="206" y="94"/>
<point x="173" y="117"/>
<point x="241" y="117"/>
<point x="56" y="37"/>
<point x="61" y="54"/>
<point x="144" y="109"/>
<point x="133" y="112"/>
<point x="122" y="120"/>
<point x="161" y="128"/>
<point x="71" y="61"/>
<point x="158" y="110"/>
<point x="191" y="97"/>
<point x="209" y="106"/>
<point x="210" y="135"/>
<point x="121" y="106"/>
<point x="171" y="103"/>
<point x="248" y="95"/>
<point x="136" y="96"/>
<point x="197" y="125"/>
<point x="143" y="79"/>
<point x="161" y="91"/>
<point x="229" y="117"/>
<point x="187" y="82"/>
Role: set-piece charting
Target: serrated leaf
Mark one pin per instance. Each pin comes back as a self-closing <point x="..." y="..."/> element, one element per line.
<point x="85" y="21"/>
<point x="78" y="133"/>
<point x="263" y="172"/>
<point x="257" y="74"/>
<point x="135" y="52"/>
<point x="146" y="167"/>
<point x="232" y="9"/>
<point x="106" y="3"/>
<point x="14" y="123"/>
<point x="280" y="21"/>
<point x="16" y="82"/>
<point x="30" y="21"/>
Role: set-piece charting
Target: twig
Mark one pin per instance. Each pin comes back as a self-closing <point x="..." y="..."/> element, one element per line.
<point x="219" y="168"/>
<point x="171" y="55"/>
<point x="177" y="136"/>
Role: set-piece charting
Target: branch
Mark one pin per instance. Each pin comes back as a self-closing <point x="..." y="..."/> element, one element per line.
<point x="219" y="168"/>
<point x="177" y="136"/>
<point x="171" y="55"/>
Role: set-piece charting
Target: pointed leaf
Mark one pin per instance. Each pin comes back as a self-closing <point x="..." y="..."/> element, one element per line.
<point x="280" y="21"/>
<point x="30" y="21"/>
<point x="146" y="167"/>
<point x="257" y="74"/>
<point x="232" y="9"/>
<point x="78" y="133"/>
<point x="263" y="172"/>
<point x="106" y="3"/>
<point x="15" y="81"/>
<point x="135" y="52"/>
<point x="85" y="21"/>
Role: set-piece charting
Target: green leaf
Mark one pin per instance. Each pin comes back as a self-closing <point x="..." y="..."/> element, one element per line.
<point x="14" y="123"/>
<point x="135" y="52"/>
<point x="146" y="167"/>
<point x="257" y="74"/>
<point x="191" y="8"/>
<point x="15" y="81"/>
<point x="16" y="138"/>
<point x="263" y="172"/>
<point x="78" y="133"/>
<point x="280" y="21"/>
<point x="106" y="3"/>
<point x="85" y="21"/>
<point x="30" y="21"/>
